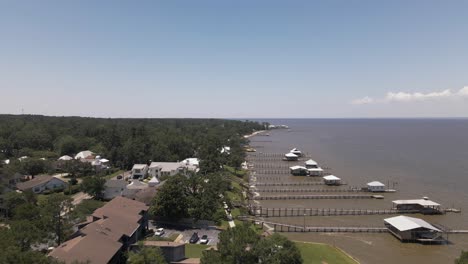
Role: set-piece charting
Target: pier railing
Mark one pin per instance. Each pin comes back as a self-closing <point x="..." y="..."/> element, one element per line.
<point x="297" y="212"/>
<point x="312" y="196"/>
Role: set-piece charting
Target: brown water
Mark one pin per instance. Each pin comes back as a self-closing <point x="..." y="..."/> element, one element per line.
<point x="421" y="157"/>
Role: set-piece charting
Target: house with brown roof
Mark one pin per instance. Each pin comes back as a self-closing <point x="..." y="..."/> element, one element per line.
<point x="42" y="183"/>
<point x="108" y="232"/>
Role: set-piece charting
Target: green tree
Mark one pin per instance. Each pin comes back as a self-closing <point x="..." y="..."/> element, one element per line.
<point x="463" y="259"/>
<point x="171" y="200"/>
<point x="146" y="255"/>
<point x="25" y="234"/>
<point x="236" y="245"/>
<point x="55" y="217"/>
<point x="94" y="186"/>
<point x="277" y="249"/>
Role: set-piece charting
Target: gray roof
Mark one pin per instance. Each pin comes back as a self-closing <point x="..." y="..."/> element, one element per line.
<point x="38" y="180"/>
<point x="167" y="166"/>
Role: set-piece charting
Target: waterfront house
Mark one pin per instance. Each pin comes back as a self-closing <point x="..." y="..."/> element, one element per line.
<point x="139" y="171"/>
<point x="410" y="229"/>
<point x="291" y="157"/>
<point x="158" y="169"/>
<point x="311" y="164"/>
<point x="42" y="183"/>
<point x="331" y="180"/>
<point x="296" y="152"/>
<point x="107" y="233"/>
<point x="424" y="206"/>
<point x="315" y="172"/>
<point x="376" y="186"/>
<point x="298" y="170"/>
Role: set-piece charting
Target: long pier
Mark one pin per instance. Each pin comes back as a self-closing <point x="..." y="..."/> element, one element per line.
<point x="312" y="196"/>
<point x="296" y="212"/>
<point x="280" y="227"/>
<point x="299" y="183"/>
<point x="353" y="190"/>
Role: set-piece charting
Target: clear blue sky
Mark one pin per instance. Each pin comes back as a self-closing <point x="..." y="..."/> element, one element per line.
<point x="234" y="58"/>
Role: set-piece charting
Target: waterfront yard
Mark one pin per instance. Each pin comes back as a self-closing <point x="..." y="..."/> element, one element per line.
<point x="315" y="253"/>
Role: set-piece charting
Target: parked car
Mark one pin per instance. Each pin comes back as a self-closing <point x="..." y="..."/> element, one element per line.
<point x="119" y="177"/>
<point x="159" y="232"/>
<point x="194" y="239"/>
<point x="204" y="239"/>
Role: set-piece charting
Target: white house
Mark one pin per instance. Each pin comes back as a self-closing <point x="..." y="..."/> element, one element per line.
<point x="376" y="186"/>
<point x="86" y="154"/>
<point x="139" y="171"/>
<point x="158" y="169"/>
<point x="331" y="180"/>
<point x="192" y="162"/>
<point x="41" y="183"/>
<point x="290" y="157"/>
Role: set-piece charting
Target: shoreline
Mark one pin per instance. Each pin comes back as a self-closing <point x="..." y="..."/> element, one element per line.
<point x="255" y="133"/>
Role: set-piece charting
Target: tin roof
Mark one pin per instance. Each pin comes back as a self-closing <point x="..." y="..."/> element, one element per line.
<point x="404" y="223"/>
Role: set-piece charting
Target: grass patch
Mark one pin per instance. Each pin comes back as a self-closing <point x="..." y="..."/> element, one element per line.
<point x="322" y="253"/>
<point x="173" y="236"/>
<point x="194" y="250"/>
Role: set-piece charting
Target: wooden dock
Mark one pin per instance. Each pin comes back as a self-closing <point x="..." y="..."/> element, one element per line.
<point x="285" y="183"/>
<point x="296" y="212"/>
<point x="280" y="227"/>
<point x="312" y="196"/>
<point x="352" y="190"/>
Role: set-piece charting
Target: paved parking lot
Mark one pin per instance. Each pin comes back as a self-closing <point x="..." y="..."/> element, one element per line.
<point x="187" y="233"/>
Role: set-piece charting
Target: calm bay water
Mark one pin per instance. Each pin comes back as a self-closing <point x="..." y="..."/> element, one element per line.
<point x="424" y="157"/>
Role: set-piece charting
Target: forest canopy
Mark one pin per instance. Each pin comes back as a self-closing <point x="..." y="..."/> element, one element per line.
<point x="122" y="141"/>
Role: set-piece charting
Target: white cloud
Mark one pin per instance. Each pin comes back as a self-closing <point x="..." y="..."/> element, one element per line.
<point x="364" y="100"/>
<point x="404" y="97"/>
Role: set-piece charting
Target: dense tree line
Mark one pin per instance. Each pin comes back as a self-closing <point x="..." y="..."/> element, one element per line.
<point x="123" y="141"/>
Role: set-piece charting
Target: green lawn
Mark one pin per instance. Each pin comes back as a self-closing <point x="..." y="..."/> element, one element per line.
<point x="194" y="250"/>
<point x="322" y="253"/>
<point x="112" y="175"/>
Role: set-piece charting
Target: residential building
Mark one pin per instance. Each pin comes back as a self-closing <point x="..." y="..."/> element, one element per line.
<point x="42" y="183"/>
<point x="107" y="234"/>
<point x="139" y="171"/>
<point x="158" y="169"/>
<point x="331" y="180"/>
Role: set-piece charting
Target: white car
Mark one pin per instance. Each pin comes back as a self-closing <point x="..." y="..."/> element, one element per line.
<point x="159" y="232"/>
<point x="204" y="239"/>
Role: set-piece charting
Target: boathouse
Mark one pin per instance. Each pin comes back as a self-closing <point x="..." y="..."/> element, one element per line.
<point x="410" y="229"/>
<point x="310" y="164"/>
<point x="376" y="186"/>
<point x="298" y="170"/>
<point x="296" y="152"/>
<point x="291" y="157"/>
<point x="424" y="206"/>
<point x="331" y="180"/>
<point x="315" y="172"/>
